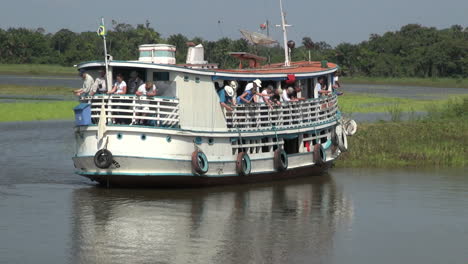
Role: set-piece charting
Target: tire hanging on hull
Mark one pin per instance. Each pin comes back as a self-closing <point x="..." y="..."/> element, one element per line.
<point x="280" y="160"/>
<point x="199" y="162"/>
<point x="103" y="159"/>
<point x="319" y="155"/>
<point x="243" y="164"/>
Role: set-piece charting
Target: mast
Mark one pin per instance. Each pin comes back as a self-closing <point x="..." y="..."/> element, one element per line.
<point x="105" y="54"/>
<point x="287" y="61"/>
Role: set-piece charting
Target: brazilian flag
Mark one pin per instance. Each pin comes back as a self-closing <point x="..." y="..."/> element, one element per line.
<point x="102" y="31"/>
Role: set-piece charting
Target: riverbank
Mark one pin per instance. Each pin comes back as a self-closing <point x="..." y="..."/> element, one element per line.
<point x="438" y="140"/>
<point x="11" y="89"/>
<point x="426" y="82"/>
<point x="38" y="110"/>
<point x="365" y="103"/>
<point x="37" y="69"/>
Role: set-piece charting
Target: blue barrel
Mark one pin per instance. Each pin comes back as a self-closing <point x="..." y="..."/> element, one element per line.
<point x="82" y="114"/>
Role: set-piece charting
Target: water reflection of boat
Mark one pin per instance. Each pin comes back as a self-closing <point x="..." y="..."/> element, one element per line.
<point x="237" y="224"/>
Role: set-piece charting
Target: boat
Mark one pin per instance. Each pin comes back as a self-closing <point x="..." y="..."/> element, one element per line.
<point x="188" y="139"/>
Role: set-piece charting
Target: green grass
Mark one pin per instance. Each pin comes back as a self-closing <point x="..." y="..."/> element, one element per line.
<point x="20" y="111"/>
<point x="426" y="82"/>
<point x="439" y="140"/>
<point x="364" y="103"/>
<point x="9" y="89"/>
<point x="37" y="69"/>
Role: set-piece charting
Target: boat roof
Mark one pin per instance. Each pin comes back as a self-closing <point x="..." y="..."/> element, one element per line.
<point x="301" y="70"/>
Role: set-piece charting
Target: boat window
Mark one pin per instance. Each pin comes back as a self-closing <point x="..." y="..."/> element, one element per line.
<point x="164" y="53"/>
<point x="161" y="76"/>
<point x="145" y="53"/>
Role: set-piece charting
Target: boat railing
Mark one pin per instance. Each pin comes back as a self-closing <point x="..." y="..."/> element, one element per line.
<point x="132" y="110"/>
<point x="287" y="115"/>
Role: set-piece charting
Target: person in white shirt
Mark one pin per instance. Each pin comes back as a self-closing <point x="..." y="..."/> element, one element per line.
<point x="336" y="83"/>
<point x="264" y="96"/>
<point x="87" y="84"/>
<point x="120" y="87"/>
<point x="99" y="85"/>
<point x="286" y="96"/>
<point x="320" y="88"/>
<point x="147" y="89"/>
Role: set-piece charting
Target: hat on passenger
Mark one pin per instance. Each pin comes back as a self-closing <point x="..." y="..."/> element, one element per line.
<point x="234" y="85"/>
<point x="81" y="72"/>
<point x="258" y="82"/>
<point x="229" y="90"/>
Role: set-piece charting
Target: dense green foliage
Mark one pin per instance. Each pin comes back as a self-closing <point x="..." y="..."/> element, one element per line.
<point x="413" y="51"/>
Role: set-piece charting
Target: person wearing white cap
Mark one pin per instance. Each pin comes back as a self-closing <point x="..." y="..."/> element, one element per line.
<point x="226" y="97"/>
<point x="251" y="89"/>
<point x="254" y="85"/>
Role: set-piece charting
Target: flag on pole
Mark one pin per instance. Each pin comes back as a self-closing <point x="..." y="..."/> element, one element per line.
<point x="102" y="31"/>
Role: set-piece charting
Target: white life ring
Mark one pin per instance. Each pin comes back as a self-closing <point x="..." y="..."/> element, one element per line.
<point x="350" y="127"/>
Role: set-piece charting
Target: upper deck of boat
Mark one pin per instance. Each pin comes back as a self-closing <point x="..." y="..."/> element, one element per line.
<point x="277" y="70"/>
<point x="296" y="67"/>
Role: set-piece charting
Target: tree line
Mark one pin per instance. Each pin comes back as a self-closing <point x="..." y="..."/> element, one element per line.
<point x="412" y="51"/>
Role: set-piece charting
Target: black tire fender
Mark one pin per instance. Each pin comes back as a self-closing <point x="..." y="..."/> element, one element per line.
<point x="103" y="159"/>
<point x="280" y="160"/>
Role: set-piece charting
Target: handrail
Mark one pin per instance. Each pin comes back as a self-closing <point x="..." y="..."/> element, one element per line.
<point x="135" y="110"/>
<point x="255" y="116"/>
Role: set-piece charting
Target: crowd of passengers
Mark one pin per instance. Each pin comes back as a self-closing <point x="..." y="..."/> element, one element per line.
<point x="254" y="93"/>
<point x="135" y="86"/>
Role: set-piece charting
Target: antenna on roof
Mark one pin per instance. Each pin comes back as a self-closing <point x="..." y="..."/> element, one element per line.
<point x="287" y="61"/>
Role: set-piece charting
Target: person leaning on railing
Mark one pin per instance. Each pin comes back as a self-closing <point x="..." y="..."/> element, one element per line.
<point x="321" y="88"/>
<point x="146" y="89"/>
<point x="99" y="86"/>
<point x="297" y="89"/>
<point x="226" y="96"/>
<point x="265" y="95"/>
<point x="120" y="87"/>
<point x="249" y="93"/>
<point x="87" y="84"/>
<point x="276" y="97"/>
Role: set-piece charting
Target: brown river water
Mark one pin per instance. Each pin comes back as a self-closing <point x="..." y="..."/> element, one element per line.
<point x="50" y="215"/>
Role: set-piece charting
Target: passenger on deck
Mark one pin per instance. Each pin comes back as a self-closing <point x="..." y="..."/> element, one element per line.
<point x="265" y="96"/>
<point x="99" y="86"/>
<point x="87" y="84"/>
<point x="134" y="83"/>
<point x="321" y="88"/>
<point x="226" y="96"/>
<point x="336" y="83"/>
<point x="297" y="90"/>
<point x="276" y="97"/>
<point x="287" y="95"/>
<point x="147" y="89"/>
<point x="250" y="91"/>
<point x="120" y="87"/>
